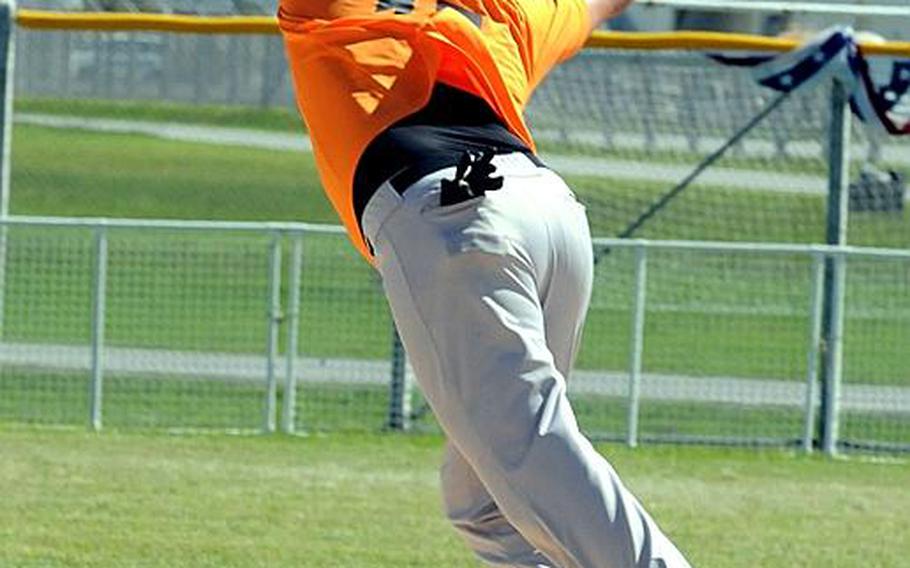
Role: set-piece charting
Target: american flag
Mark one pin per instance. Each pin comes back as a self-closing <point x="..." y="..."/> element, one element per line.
<point x="836" y="53"/>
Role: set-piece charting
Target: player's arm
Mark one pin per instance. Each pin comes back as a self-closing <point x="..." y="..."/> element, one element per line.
<point x="554" y="30"/>
<point x="600" y="10"/>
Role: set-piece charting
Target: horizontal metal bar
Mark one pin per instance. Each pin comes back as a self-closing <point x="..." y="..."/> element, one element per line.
<point x="108" y="21"/>
<point x="860" y="446"/>
<point x="757" y="248"/>
<point x="690" y="440"/>
<point x="171" y="224"/>
<point x="791" y="7"/>
<point x="721" y="41"/>
<point x="318" y="228"/>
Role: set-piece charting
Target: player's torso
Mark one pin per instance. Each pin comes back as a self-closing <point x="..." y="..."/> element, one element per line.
<point x="478" y="37"/>
<point x="362" y="65"/>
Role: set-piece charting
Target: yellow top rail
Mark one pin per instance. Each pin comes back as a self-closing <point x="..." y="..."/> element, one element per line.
<point x="722" y="42"/>
<point x="130" y="21"/>
<point x="109" y="21"/>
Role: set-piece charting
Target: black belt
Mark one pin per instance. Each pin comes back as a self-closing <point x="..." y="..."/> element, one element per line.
<point x="404" y="179"/>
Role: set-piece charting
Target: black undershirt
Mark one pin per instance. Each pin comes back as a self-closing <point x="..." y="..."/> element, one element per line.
<point x="431" y="139"/>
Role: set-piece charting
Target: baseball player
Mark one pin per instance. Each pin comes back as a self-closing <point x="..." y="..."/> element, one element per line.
<point x="414" y="108"/>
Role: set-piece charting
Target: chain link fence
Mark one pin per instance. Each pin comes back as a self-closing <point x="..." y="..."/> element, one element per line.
<point x="254" y="327"/>
<point x="640" y="122"/>
<point x="198" y="69"/>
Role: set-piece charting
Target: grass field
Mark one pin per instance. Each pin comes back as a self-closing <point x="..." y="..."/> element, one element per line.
<point x="74" y="499"/>
<point x="277" y="119"/>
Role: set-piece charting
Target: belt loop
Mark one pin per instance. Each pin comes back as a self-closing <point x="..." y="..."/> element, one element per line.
<point x="381" y="205"/>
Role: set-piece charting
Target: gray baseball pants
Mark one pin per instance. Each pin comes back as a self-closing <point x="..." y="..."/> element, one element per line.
<point x="489" y="296"/>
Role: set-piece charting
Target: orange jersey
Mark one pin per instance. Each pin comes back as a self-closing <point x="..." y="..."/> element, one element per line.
<point x="359" y="66"/>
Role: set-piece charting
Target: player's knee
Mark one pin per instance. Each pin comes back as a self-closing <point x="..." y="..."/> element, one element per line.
<point x="528" y="424"/>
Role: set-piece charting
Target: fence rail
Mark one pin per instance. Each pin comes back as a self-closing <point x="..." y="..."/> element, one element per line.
<point x="252" y="326"/>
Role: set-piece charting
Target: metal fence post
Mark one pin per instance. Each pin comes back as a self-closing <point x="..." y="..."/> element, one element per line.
<point x="289" y="409"/>
<point x="7" y="69"/>
<point x="274" y="321"/>
<point x="836" y="234"/>
<point x="834" y="355"/>
<point x="638" y="340"/>
<point x="99" y="297"/>
<point x="7" y="81"/>
<point x="816" y="303"/>
<point x="400" y="386"/>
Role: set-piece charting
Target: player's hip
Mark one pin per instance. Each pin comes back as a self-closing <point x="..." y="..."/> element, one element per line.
<point x="532" y="217"/>
<point x="526" y="185"/>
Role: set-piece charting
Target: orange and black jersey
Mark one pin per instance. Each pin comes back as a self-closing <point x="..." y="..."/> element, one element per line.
<point x="435" y="137"/>
<point x="361" y="66"/>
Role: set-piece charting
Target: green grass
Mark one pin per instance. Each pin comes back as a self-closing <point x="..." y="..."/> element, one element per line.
<point x="275" y="119"/>
<point x="199" y="403"/>
<point x="76" y="499"/>
<point x="72" y="172"/>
